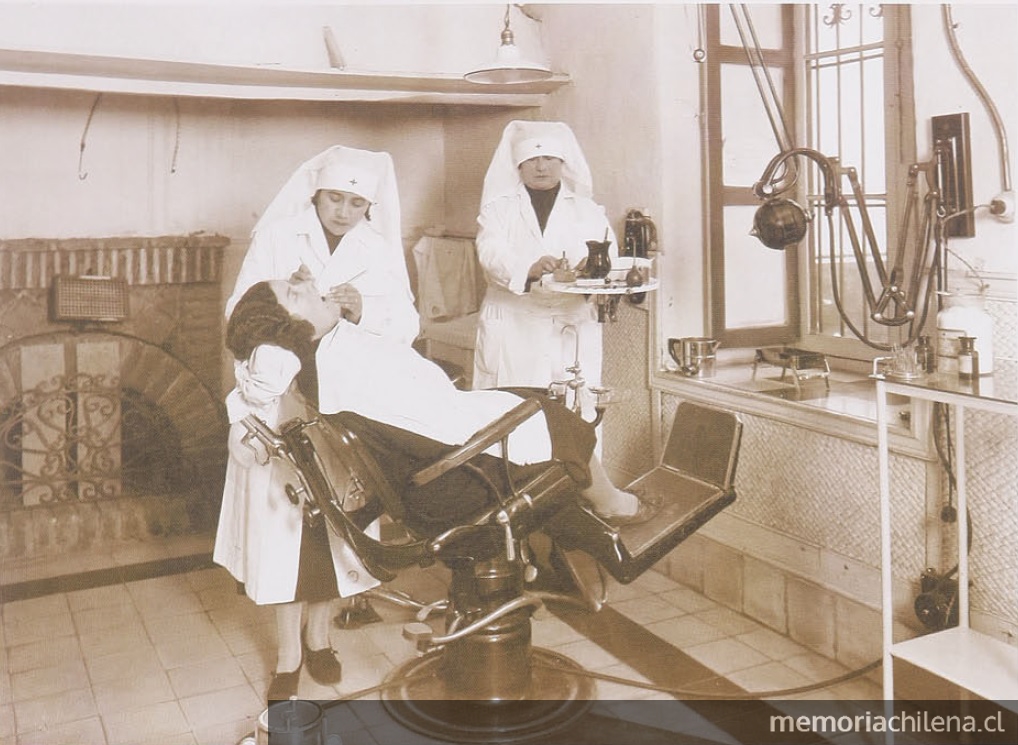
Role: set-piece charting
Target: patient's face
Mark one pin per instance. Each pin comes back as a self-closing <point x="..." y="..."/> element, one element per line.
<point x="300" y="297"/>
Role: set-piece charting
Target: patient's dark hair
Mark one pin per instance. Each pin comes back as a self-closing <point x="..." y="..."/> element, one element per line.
<point x="258" y="319"/>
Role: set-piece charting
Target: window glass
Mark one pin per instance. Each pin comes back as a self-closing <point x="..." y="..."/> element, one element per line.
<point x="747" y="137"/>
<point x="755" y="286"/>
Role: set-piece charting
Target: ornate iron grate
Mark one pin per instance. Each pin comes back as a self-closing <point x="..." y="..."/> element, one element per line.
<point x="84" y="437"/>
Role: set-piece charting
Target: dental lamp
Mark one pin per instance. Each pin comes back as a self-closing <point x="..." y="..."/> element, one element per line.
<point x="901" y="296"/>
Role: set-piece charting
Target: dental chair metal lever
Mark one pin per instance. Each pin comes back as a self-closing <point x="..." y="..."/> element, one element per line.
<point x="480" y="442"/>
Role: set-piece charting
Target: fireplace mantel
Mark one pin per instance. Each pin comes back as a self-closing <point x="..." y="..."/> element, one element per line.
<point x="32" y="263"/>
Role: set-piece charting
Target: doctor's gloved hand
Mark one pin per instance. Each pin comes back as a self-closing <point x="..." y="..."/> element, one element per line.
<point x="349" y="299"/>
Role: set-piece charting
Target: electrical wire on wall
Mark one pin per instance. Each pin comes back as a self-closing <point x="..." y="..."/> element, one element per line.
<point x="176" y="137"/>
<point x="1003" y="204"/>
<point x="82" y="173"/>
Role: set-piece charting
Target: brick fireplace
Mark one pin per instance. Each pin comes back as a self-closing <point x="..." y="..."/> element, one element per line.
<point x="110" y="431"/>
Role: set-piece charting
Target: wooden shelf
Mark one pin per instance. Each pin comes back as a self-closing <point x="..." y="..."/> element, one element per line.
<point x="974" y="661"/>
<point x="69" y="71"/>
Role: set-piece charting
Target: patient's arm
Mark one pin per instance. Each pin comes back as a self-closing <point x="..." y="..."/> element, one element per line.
<point x="261" y="381"/>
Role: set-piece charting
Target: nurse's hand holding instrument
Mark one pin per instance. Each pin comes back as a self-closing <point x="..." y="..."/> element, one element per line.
<point x="348" y="298"/>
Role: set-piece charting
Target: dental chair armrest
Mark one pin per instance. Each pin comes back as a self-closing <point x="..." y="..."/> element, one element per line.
<point x="481" y="441"/>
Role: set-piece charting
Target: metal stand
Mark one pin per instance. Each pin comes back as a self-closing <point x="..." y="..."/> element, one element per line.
<point x="804" y="365"/>
<point x="484" y="682"/>
<point x="357" y="613"/>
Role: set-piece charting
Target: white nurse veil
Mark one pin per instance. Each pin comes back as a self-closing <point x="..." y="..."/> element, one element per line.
<point x="530" y="138"/>
<point x="377" y="183"/>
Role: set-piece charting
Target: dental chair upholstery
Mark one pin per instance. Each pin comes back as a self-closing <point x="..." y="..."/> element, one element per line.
<point x="474" y="512"/>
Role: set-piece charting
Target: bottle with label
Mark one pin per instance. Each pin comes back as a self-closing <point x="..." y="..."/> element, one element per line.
<point x="925" y="358"/>
<point x="963" y="315"/>
<point x="968" y="358"/>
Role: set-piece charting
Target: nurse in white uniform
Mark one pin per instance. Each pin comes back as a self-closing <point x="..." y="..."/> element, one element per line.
<point x="536" y="208"/>
<point x="337" y="222"/>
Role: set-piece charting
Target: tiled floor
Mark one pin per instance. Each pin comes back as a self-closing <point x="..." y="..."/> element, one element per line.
<point x="183" y="659"/>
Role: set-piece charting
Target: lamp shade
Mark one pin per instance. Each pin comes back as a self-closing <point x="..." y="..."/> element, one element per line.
<point x="509" y="65"/>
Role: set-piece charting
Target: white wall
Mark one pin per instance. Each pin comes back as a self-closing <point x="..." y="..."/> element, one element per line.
<point x="986" y="36"/>
<point x="395" y="36"/>
<point x="216" y="174"/>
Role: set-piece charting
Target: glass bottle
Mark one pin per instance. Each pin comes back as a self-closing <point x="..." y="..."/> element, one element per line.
<point x="963" y="315"/>
<point x="968" y="358"/>
<point x="925" y="357"/>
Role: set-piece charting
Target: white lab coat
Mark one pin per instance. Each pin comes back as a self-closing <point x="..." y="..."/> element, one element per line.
<point x="362" y="258"/>
<point x="520" y="337"/>
<point x="259" y="533"/>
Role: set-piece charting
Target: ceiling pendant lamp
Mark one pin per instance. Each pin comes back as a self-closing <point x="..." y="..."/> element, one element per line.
<point x="509" y="65"/>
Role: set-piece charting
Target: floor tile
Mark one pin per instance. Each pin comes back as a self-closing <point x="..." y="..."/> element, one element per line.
<point x="44" y="653"/>
<point x="771" y="643"/>
<point x="7" y="724"/>
<point x="181" y="651"/>
<point x="218" y="707"/>
<point x="133" y="692"/>
<point x="39" y="629"/>
<point x="647" y="610"/>
<point x="114" y="639"/>
<point x="36" y="609"/>
<point x="727" y="620"/>
<point x="103" y="597"/>
<point x="688" y="600"/>
<point x="770" y="676"/>
<point x="82" y="732"/>
<point x="685" y="631"/>
<point x="725" y="655"/>
<point x="57" y="709"/>
<point x="140" y="659"/>
<point x="158" y="723"/>
<point x="206" y="676"/>
<point x="45" y="681"/>
<point x="100" y="620"/>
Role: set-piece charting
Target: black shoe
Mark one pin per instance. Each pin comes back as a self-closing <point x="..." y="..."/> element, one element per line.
<point x="323" y="667"/>
<point x="283" y="686"/>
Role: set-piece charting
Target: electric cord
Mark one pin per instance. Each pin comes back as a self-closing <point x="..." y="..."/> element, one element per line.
<point x="748" y="695"/>
<point x="679" y="692"/>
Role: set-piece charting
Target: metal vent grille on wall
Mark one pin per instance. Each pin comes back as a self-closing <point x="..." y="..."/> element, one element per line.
<point x="88" y="298"/>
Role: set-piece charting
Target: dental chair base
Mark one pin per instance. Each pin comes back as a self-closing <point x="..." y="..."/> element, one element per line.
<point x="490" y="685"/>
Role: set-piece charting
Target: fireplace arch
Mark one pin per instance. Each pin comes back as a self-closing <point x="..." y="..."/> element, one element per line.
<point x="99" y="416"/>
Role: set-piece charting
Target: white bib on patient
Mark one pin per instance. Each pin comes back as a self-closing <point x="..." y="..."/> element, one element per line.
<point x="391" y="383"/>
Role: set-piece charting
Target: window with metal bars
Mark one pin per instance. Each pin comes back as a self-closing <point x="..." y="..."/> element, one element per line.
<point x="857" y="84"/>
<point x="841" y="77"/>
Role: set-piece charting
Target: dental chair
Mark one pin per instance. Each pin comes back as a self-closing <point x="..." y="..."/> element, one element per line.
<point x="481" y="679"/>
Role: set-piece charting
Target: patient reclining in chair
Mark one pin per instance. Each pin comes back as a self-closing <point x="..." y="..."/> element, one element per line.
<point x="291" y="344"/>
<point x="286" y="332"/>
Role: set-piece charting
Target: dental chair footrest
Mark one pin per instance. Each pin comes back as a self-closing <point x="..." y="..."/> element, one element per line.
<point x="627" y="552"/>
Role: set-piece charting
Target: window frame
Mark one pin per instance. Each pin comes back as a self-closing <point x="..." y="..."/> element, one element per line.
<point x="720" y="195"/>
<point x="800" y="271"/>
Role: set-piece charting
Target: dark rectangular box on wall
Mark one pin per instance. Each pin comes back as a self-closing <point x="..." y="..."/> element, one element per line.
<point x="951" y="131"/>
<point x="88" y="298"/>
